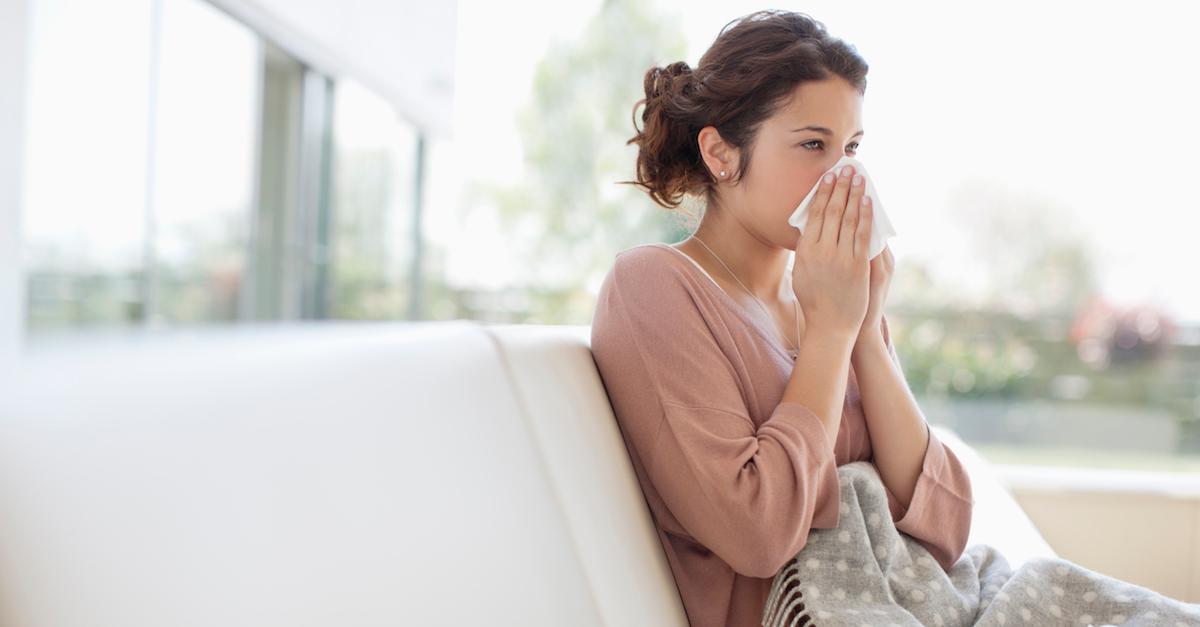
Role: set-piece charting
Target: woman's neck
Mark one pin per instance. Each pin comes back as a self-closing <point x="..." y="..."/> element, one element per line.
<point x="758" y="264"/>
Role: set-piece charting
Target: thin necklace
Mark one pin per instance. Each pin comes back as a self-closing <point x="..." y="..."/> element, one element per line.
<point x="795" y="350"/>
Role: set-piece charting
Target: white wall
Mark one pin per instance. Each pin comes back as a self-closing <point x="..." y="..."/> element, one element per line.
<point x="1083" y="512"/>
<point x="14" y="58"/>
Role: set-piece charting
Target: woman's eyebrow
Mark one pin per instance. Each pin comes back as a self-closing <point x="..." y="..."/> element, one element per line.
<point x="822" y="130"/>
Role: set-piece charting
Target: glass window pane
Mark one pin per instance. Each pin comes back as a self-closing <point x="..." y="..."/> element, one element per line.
<point x="85" y="173"/>
<point x="373" y="205"/>
<point x="205" y="162"/>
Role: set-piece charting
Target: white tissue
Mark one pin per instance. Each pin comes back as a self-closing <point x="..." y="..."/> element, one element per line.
<point x="882" y="227"/>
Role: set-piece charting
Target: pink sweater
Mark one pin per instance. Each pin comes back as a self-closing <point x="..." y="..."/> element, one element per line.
<point x="735" y="478"/>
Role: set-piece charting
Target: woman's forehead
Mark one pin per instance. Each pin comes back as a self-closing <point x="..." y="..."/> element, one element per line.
<point x="830" y="109"/>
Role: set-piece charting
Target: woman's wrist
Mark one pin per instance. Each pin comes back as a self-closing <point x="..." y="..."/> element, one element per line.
<point x="868" y="342"/>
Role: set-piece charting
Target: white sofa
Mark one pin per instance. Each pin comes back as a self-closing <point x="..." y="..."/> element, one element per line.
<point x="350" y="474"/>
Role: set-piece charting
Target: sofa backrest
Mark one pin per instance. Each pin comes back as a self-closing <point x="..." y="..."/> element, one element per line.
<point x="430" y="473"/>
<point x="571" y="420"/>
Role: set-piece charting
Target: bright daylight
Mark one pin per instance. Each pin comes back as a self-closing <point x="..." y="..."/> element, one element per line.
<point x="632" y="313"/>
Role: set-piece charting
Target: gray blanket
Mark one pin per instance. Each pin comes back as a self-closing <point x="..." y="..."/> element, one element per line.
<point x="866" y="572"/>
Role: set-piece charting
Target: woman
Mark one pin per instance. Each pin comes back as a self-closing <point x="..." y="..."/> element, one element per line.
<point x="734" y="423"/>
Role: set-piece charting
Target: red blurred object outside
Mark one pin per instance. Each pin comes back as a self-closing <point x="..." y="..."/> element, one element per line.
<point x="1104" y="334"/>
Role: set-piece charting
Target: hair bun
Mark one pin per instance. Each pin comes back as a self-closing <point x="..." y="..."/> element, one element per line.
<point x="675" y="77"/>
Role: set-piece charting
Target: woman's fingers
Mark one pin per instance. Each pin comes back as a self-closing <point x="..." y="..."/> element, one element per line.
<point x="836" y="208"/>
<point x="850" y="218"/>
<point x="865" y="223"/>
<point x="816" y="209"/>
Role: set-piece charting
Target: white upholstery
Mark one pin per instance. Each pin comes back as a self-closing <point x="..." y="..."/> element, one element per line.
<point x="432" y="473"/>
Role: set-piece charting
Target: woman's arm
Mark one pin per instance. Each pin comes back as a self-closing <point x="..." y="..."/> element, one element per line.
<point x="928" y="488"/>
<point x="818" y="380"/>
<point x="898" y="431"/>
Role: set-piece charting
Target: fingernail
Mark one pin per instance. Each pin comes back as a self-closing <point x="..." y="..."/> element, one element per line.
<point x="857" y="180"/>
<point x="829" y="177"/>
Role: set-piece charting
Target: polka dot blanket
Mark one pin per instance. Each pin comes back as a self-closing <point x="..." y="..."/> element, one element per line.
<point x="866" y="573"/>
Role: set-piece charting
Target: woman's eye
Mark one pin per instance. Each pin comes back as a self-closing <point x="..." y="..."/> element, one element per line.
<point x="820" y="143"/>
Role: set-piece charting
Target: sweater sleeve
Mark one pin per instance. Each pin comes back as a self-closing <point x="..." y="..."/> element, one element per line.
<point x="939" y="515"/>
<point x="749" y="495"/>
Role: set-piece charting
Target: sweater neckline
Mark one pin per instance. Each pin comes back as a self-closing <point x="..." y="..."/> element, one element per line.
<point x="753" y="322"/>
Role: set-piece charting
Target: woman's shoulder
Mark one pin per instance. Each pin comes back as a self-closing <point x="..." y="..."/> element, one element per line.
<point x="646" y="280"/>
<point x="653" y="251"/>
<point x="647" y="264"/>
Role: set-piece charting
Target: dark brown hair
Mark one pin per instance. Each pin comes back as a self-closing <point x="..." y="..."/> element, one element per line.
<point x="752" y="68"/>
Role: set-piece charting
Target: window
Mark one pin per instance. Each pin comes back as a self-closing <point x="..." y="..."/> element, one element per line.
<point x="180" y="171"/>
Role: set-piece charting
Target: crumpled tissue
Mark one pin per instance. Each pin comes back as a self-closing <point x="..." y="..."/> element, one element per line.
<point x="882" y="227"/>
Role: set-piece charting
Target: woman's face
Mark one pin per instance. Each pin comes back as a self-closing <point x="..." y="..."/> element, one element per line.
<point x="820" y="124"/>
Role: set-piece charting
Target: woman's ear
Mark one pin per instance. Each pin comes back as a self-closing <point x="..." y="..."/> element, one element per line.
<point x="718" y="155"/>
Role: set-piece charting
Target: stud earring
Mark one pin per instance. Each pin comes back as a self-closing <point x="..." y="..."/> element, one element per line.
<point x="722" y="173"/>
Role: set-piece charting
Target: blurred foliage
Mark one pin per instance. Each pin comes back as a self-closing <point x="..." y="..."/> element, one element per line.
<point x="968" y="354"/>
<point x="568" y="216"/>
<point x="59" y="299"/>
<point x="955" y="353"/>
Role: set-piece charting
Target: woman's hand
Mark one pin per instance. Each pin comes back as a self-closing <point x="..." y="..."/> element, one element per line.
<point x="831" y="274"/>
<point x="882" y="267"/>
